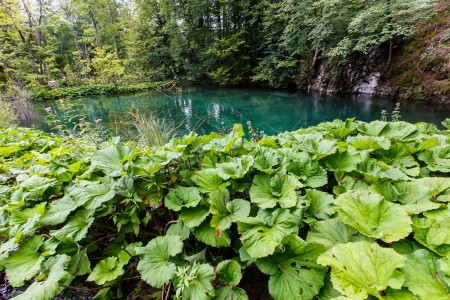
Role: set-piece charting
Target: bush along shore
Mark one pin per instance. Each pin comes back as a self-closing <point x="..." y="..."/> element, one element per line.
<point x="342" y="209"/>
<point x="99" y="89"/>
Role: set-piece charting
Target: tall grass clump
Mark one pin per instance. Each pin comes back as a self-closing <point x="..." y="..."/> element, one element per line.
<point x="153" y="130"/>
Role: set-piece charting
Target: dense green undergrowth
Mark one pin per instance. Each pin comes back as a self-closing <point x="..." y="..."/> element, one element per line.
<point x="343" y="210"/>
<point x="96" y="89"/>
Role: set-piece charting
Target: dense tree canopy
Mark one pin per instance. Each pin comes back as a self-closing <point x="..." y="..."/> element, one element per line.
<point x="226" y="42"/>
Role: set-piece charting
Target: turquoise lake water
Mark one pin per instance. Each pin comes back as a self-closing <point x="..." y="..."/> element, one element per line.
<point x="215" y="109"/>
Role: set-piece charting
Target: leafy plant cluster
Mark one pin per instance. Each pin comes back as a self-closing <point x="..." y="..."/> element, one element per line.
<point x="343" y="210"/>
<point x="96" y="89"/>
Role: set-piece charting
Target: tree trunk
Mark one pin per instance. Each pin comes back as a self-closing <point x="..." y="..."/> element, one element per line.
<point x="94" y="23"/>
<point x="24" y="40"/>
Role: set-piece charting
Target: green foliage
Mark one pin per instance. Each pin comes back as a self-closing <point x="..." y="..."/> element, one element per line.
<point x="98" y="89"/>
<point x="342" y="209"/>
<point x="270" y="43"/>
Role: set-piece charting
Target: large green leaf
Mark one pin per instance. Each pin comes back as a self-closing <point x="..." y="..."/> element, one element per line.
<point x="432" y="230"/>
<point x="230" y="293"/>
<point x="437" y="159"/>
<point x="262" y="234"/>
<point x="369" y="143"/>
<point x="362" y="268"/>
<point x="76" y="228"/>
<point x="106" y="270"/>
<point x="321" y="204"/>
<point x="80" y="263"/>
<point x="373" y="216"/>
<point x="23" y="264"/>
<point x="193" y="216"/>
<point x="210" y="236"/>
<point x="307" y="170"/>
<point x="209" y="181"/>
<point x="155" y="266"/>
<point x="225" y="212"/>
<point x="92" y="195"/>
<point x="332" y="232"/>
<point x="294" y="271"/>
<point x="266" y="159"/>
<point x="53" y="285"/>
<point x="414" y="196"/>
<point x="268" y="191"/>
<point x="229" y="272"/>
<point x="182" y="197"/>
<point x="235" y="167"/>
<point x="59" y="210"/>
<point x="424" y="277"/>
<point x="112" y="160"/>
<point x="343" y="161"/>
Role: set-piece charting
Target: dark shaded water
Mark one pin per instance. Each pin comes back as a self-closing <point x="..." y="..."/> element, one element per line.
<point x="215" y="109"/>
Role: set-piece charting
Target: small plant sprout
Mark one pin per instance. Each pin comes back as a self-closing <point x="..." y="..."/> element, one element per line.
<point x="396" y="114"/>
<point x="384" y="114"/>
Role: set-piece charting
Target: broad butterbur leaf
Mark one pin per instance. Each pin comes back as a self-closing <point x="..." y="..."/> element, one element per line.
<point x="155" y="266"/>
<point x="76" y="228"/>
<point x="182" y="197"/>
<point x="362" y="268"/>
<point x="230" y="293"/>
<point x="53" y="284"/>
<point x="332" y="232"/>
<point x="229" y="272"/>
<point x="209" y="181"/>
<point x="92" y="195"/>
<point x="432" y="230"/>
<point x="280" y="189"/>
<point x="106" y="270"/>
<point x="294" y="271"/>
<point x="210" y="236"/>
<point x="266" y="160"/>
<point x="414" y="196"/>
<point x="23" y="264"/>
<point x="343" y="161"/>
<point x="59" y="210"/>
<point x="262" y="234"/>
<point x="307" y="170"/>
<point x="321" y="204"/>
<point x="193" y="216"/>
<point x="424" y="277"/>
<point x="235" y="167"/>
<point x="226" y="212"/>
<point x="112" y="160"/>
<point x="373" y="216"/>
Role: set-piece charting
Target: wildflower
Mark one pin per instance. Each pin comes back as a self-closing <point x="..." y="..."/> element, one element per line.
<point x="48" y="110"/>
<point x="97" y="121"/>
<point x="249" y="123"/>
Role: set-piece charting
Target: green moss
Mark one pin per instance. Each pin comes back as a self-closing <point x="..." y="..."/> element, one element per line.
<point x="415" y="94"/>
<point x="405" y="80"/>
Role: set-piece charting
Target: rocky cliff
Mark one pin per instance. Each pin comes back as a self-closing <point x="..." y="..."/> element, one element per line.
<point x="419" y="69"/>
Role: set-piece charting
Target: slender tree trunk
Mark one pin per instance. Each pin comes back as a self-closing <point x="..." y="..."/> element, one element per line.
<point x="36" y="33"/>
<point x="24" y="40"/>
<point x="94" y="23"/>
<point x="316" y="55"/>
<point x="112" y="20"/>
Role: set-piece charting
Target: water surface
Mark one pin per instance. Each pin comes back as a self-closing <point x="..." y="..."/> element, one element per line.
<point x="215" y="109"/>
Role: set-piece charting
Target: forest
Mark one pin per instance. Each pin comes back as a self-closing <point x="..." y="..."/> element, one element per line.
<point x="271" y="44"/>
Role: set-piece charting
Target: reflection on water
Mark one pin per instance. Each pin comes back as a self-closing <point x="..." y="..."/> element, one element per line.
<point x="214" y="109"/>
